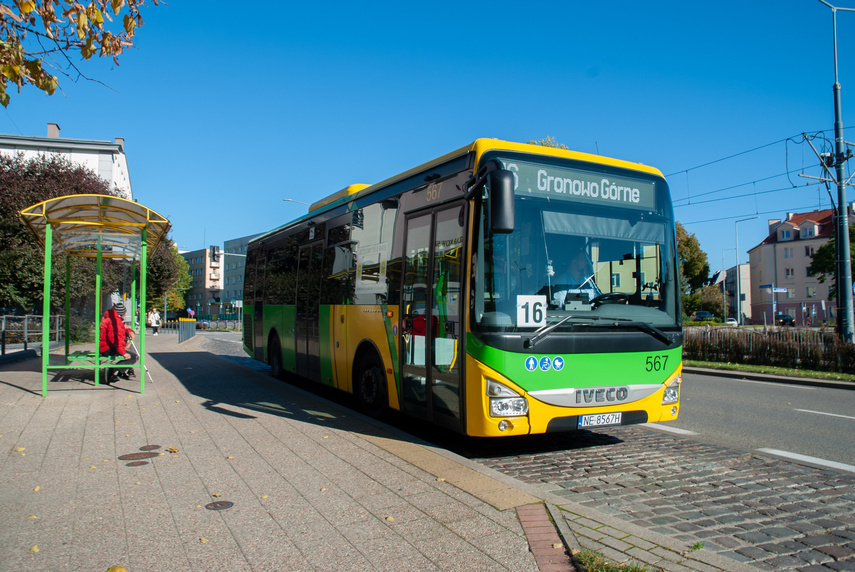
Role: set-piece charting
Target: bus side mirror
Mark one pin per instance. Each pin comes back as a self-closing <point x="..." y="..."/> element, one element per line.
<point x="501" y="201"/>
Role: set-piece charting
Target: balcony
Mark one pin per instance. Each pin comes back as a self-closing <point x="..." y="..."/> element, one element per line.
<point x="215" y="276"/>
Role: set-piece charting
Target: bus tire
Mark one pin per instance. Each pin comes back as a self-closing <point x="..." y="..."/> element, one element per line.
<point x="274" y="357"/>
<point x="370" y="386"/>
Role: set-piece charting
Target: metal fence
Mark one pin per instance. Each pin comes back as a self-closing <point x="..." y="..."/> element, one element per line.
<point x="18" y="332"/>
<point x="783" y="347"/>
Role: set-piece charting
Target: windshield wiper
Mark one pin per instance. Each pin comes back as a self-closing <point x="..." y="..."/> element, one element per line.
<point x="643" y="326"/>
<point x="612" y="322"/>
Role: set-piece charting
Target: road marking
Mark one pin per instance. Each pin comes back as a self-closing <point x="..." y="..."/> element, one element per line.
<point x="824" y="413"/>
<point x="808" y="459"/>
<point x="669" y="429"/>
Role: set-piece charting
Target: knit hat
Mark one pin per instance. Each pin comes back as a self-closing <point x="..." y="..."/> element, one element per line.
<point x="120" y="308"/>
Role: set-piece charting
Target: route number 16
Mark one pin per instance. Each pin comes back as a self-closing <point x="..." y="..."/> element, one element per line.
<point x="531" y="311"/>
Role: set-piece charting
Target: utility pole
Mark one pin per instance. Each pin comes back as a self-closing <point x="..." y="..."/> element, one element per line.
<point x="738" y="274"/>
<point x="844" y="270"/>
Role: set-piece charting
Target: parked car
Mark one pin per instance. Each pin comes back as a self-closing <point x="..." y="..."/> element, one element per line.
<point x="782" y="319"/>
<point x="731" y="322"/>
<point x="703" y="316"/>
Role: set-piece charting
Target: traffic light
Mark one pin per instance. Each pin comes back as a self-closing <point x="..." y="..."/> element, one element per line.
<point x="215" y="254"/>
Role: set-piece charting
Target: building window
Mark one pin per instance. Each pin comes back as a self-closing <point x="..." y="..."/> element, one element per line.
<point x="810" y="292"/>
<point x="615" y="280"/>
<point x="807" y="271"/>
<point x="788" y="273"/>
<point x="809" y="251"/>
<point x="791" y="293"/>
<point x="785" y="234"/>
<point x="788" y="252"/>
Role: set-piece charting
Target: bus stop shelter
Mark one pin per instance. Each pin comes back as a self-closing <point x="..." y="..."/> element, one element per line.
<point x="99" y="227"/>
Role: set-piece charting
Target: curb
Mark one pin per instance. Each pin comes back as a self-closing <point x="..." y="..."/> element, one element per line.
<point x="808" y="381"/>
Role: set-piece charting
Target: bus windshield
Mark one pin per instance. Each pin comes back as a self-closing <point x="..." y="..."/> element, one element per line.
<point x="589" y="244"/>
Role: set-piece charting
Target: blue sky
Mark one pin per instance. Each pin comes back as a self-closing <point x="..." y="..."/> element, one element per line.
<point x="226" y="111"/>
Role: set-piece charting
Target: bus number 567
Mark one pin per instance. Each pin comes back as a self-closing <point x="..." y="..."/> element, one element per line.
<point x="655" y="363"/>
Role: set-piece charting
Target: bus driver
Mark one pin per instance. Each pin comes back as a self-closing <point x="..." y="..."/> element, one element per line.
<point x="577" y="278"/>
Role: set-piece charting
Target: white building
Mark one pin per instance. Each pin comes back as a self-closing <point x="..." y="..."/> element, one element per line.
<point x="728" y="283"/>
<point x="234" y="262"/>
<point x="781" y="263"/>
<point x="104" y="158"/>
<point x="204" y="294"/>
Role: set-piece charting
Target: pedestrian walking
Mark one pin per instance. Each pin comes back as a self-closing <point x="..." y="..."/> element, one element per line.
<point x="154" y="321"/>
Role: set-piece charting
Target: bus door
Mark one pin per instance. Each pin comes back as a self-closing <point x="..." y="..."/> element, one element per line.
<point x="307" y="335"/>
<point x="431" y="310"/>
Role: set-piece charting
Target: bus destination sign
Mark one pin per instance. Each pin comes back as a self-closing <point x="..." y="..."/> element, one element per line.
<point x="582" y="186"/>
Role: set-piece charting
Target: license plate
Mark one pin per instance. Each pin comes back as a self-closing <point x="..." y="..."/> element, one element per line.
<point x="599" y="420"/>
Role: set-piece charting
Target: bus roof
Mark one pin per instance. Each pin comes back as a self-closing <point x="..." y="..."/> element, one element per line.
<point x="479" y="147"/>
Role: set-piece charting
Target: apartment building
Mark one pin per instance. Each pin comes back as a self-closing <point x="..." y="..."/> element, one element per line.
<point x="104" y="158"/>
<point x="780" y="280"/>
<point x="233" y="260"/>
<point x="204" y="294"/>
<point x="217" y="274"/>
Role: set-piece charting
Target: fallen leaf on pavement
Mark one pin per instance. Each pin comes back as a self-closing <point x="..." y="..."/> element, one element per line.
<point x="34" y="548"/>
<point x="37" y="488"/>
<point x="203" y="540"/>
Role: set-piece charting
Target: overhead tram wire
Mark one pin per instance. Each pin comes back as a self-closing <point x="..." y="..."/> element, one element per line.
<point x="742" y="153"/>
<point x="770" y="177"/>
<point x="802" y="136"/>
<point x="734" y="197"/>
<point x="730" y="217"/>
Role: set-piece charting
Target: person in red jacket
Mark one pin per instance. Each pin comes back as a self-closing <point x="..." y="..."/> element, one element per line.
<point x="115" y="339"/>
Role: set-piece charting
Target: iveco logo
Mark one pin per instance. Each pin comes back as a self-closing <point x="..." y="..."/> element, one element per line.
<point x="602" y="395"/>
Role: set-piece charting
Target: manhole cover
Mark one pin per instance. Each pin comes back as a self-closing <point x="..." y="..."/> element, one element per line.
<point x="149" y="447"/>
<point x="219" y="505"/>
<point x="137" y="456"/>
<point x="137" y="463"/>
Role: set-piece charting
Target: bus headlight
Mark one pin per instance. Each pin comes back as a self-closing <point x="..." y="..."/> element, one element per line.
<point x="672" y="392"/>
<point x="505" y="402"/>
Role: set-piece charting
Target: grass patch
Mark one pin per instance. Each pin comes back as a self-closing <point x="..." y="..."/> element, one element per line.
<point x="596" y="562"/>
<point x="774" y="370"/>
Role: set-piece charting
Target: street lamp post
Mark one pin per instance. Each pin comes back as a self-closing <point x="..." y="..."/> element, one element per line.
<point x="738" y="277"/>
<point x="844" y="270"/>
<point x="724" y="283"/>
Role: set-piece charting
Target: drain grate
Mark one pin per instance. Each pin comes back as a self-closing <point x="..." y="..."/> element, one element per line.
<point x="149" y="447"/>
<point x="136" y="463"/>
<point x="219" y="505"/>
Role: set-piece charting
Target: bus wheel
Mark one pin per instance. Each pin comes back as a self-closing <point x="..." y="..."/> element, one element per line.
<point x="371" y="386"/>
<point x="274" y="353"/>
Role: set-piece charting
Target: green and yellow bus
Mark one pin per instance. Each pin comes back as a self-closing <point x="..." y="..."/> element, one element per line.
<point x="445" y="292"/>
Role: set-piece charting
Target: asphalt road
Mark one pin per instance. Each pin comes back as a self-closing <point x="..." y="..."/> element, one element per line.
<point x="811" y="425"/>
<point x="748" y="415"/>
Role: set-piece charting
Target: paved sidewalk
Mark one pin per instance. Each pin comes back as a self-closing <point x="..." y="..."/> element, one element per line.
<point x="314" y="486"/>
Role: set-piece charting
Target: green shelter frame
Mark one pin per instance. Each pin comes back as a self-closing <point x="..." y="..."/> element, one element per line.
<point x="95" y="226"/>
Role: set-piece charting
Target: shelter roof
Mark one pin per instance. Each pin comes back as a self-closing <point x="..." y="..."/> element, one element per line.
<point x="78" y="222"/>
